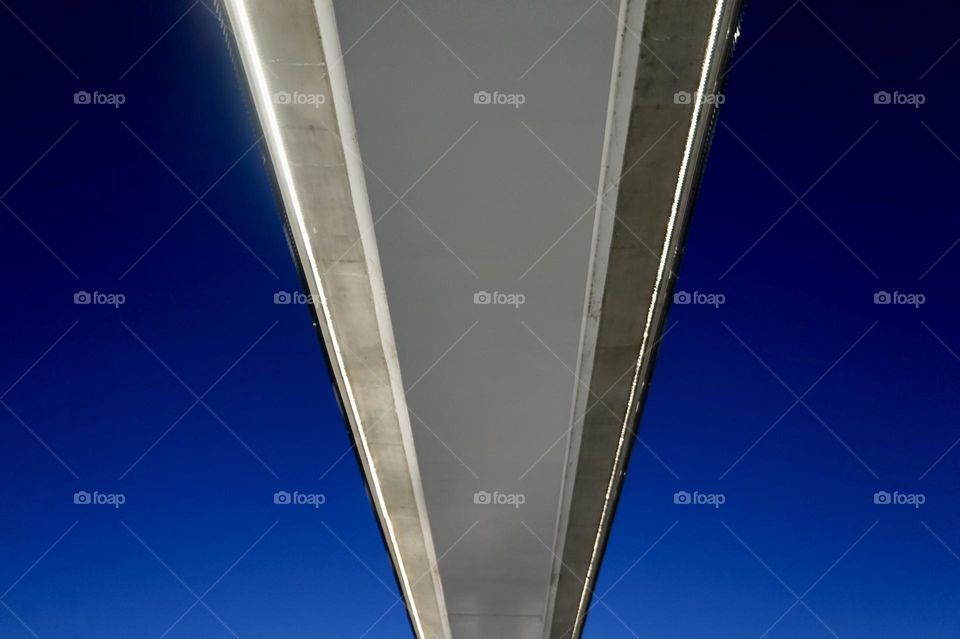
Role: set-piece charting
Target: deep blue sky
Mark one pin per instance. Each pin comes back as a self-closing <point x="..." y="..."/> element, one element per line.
<point x="799" y="507"/>
<point x="797" y="99"/>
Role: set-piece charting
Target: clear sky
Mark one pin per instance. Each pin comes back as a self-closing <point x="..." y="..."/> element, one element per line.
<point x="197" y="398"/>
<point x="799" y="398"/>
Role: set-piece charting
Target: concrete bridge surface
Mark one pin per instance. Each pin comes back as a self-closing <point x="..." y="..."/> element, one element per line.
<point x="487" y="201"/>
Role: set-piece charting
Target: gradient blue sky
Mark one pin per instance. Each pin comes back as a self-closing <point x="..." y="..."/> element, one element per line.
<point x="104" y="199"/>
